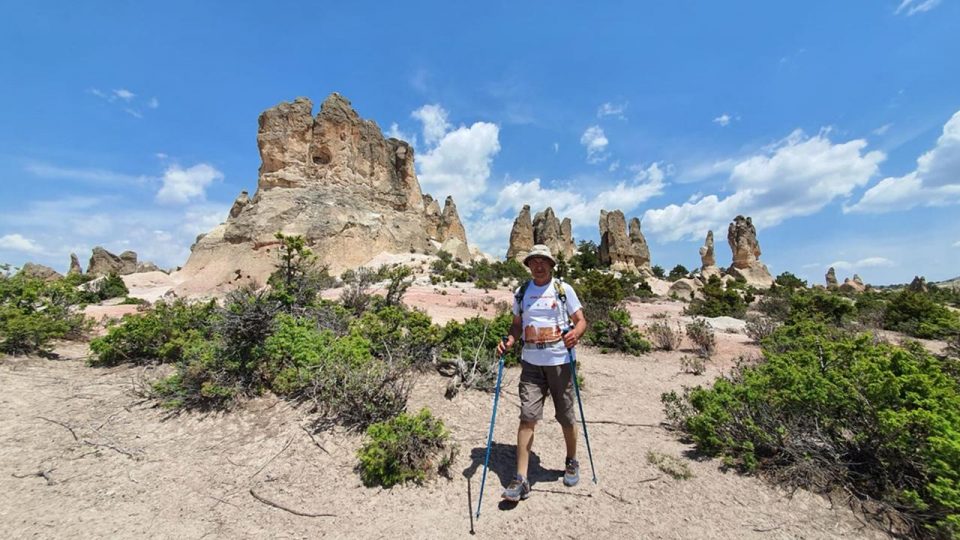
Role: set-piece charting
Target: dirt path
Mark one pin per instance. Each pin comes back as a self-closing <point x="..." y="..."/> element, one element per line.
<point x="82" y="456"/>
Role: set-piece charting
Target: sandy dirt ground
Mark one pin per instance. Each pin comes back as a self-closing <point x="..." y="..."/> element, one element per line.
<point x="82" y="455"/>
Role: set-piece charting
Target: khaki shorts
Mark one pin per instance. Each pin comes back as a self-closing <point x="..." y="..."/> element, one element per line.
<point x="536" y="382"/>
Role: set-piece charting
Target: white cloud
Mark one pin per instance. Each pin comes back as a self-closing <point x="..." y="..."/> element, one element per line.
<point x="625" y="196"/>
<point x="956" y="244"/>
<point x="124" y="94"/>
<point x="594" y="140"/>
<point x="459" y="164"/>
<point x="883" y="129"/>
<point x="723" y="120"/>
<point x="161" y="155"/>
<point x="183" y="185"/>
<point x="556" y="148"/>
<point x="912" y="8"/>
<point x="17" y="242"/>
<point x="99" y="176"/>
<point x="133" y="112"/>
<point x="614" y="166"/>
<point x="869" y="262"/>
<point x="612" y="109"/>
<point x="935" y="181"/>
<point x="435" y="124"/>
<point x="797" y="176"/>
<point x="153" y="103"/>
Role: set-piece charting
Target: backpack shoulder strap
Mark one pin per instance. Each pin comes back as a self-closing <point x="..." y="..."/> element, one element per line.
<point x="521" y="293"/>
<point x="562" y="296"/>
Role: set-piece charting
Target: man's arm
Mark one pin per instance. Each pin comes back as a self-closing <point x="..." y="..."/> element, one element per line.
<point x="571" y="338"/>
<point x="513" y="337"/>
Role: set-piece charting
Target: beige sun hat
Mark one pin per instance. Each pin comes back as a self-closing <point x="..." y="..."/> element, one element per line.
<point x="539" y="250"/>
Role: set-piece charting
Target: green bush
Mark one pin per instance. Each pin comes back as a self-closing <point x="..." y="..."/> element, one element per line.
<point x="158" y="335"/>
<point x="678" y="272"/>
<point x="34" y="312"/>
<point x="617" y="332"/>
<point x="719" y="301"/>
<point x="404" y="449"/>
<point x="918" y="315"/>
<point x="298" y="279"/>
<point x="658" y="271"/>
<point x="825" y="409"/>
<point x="399" y="333"/>
<point x="477" y="337"/>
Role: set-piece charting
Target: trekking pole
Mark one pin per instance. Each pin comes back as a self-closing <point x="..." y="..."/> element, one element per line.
<point x="493" y="419"/>
<point x="583" y="421"/>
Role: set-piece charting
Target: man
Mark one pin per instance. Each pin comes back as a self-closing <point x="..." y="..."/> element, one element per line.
<point x="543" y="310"/>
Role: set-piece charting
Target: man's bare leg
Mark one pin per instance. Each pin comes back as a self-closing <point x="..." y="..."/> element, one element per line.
<point x="524" y="444"/>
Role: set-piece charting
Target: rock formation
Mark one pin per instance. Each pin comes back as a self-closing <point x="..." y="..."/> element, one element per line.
<point x="708" y="259"/>
<point x="241" y="201"/>
<point x="545" y="228"/>
<point x="335" y="180"/>
<point x="39" y="271"/>
<point x="432" y="214"/>
<point x="450" y="226"/>
<point x="521" y="235"/>
<point x="640" y="248"/>
<point x="831" y="278"/>
<point x="616" y="247"/>
<point x="919" y="285"/>
<point x="102" y="262"/>
<point x="742" y="237"/>
<point x="853" y="285"/>
<point x="75" y="267"/>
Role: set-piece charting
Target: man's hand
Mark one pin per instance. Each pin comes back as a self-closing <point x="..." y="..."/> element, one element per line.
<point x="570" y="339"/>
<point x="504" y="346"/>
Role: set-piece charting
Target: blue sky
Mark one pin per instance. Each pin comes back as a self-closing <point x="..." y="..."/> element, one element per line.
<point x="835" y="125"/>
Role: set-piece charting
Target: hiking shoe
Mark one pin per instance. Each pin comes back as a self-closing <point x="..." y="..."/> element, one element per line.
<point x="571" y="473"/>
<point x="518" y="489"/>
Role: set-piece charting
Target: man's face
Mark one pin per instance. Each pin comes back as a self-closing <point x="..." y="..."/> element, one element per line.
<point x="541" y="268"/>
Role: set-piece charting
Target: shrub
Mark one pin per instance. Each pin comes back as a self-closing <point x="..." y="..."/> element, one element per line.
<point x="476" y="338"/>
<point x="617" y="332"/>
<point x="600" y="293"/>
<point x="112" y="287"/>
<point x="719" y="302"/>
<point x="664" y="336"/>
<point x="297" y="279"/>
<point x="670" y="465"/>
<point x="826" y="410"/>
<point x="244" y="324"/>
<point x="790" y="281"/>
<point x="158" y="335"/>
<point x="658" y="271"/>
<point x="403" y="449"/>
<point x="677" y="272"/>
<point x="399" y="283"/>
<point x="695" y="365"/>
<point x="399" y="334"/>
<point x="34" y="312"/>
<point x="917" y="315"/>
<point x="701" y="334"/>
<point x="760" y="326"/>
<point x="356" y="295"/>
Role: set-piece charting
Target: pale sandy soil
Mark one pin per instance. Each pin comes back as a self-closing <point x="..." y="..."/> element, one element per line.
<point x="83" y="456"/>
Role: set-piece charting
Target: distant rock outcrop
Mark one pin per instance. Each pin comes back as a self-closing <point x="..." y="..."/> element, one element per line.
<point x="640" y="248"/>
<point x="831" y="278"/>
<point x="545" y="228"/>
<point x="102" y="263"/>
<point x="919" y="284"/>
<point x="450" y="225"/>
<point x="742" y="237"/>
<point x="708" y="259"/>
<point x="241" y="201"/>
<point x="39" y="271"/>
<point x="853" y="285"/>
<point x="521" y="235"/>
<point x="333" y="179"/>
<point x="617" y="248"/>
<point x="75" y="267"/>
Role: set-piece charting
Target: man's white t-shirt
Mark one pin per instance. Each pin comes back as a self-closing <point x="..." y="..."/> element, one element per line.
<point x="544" y="322"/>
